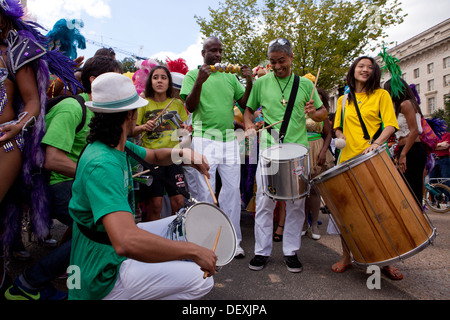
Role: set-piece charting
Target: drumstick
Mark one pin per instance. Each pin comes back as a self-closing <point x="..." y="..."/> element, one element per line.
<point x="210" y="189"/>
<point x="205" y="275"/>
<point x="161" y="113"/>
<point x="140" y="173"/>
<point x="315" y="84"/>
<point x="268" y="127"/>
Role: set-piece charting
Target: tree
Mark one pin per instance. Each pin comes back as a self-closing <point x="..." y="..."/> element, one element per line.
<point x="128" y="64"/>
<point x="444" y="113"/>
<point x="329" y="33"/>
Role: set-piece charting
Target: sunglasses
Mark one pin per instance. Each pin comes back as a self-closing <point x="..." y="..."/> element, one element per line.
<point x="279" y="41"/>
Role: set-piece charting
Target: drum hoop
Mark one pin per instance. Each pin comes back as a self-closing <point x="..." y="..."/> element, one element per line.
<point x="347" y="165"/>
<point x="233" y="231"/>
<point x="288" y="144"/>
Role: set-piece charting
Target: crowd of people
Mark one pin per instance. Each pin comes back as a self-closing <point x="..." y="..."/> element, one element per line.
<point x="77" y="150"/>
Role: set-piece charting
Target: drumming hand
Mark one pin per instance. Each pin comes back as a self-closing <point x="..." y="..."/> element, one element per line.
<point x="309" y="107"/>
<point x="371" y="148"/>
<point x="196" y="160"/>
<point x="206" y="259"/>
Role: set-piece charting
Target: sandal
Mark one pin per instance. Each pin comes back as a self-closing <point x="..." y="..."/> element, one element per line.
<point x="278" y="237"/>
<point x="339" y="268"/>
<point x="392" y="274"/>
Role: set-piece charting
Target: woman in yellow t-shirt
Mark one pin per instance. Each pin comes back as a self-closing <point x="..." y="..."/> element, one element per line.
<point x="162" y="133"/>
<point x="377" y="111"/>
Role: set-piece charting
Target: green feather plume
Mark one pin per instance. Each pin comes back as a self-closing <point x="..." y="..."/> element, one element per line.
<point x="391" y="64"/>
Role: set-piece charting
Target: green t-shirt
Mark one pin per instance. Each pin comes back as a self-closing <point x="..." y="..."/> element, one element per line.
<point x="103" y="185"/>
<point x="213" y="118"/>
<point x="61" y="122"/>
<point x="161" y="137"/>
<point x="266" y="92"/>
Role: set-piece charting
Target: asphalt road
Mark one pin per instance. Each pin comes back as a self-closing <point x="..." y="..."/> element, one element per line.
<point x="426" y="275"/>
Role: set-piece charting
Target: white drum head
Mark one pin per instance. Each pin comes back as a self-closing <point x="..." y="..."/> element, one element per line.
<point x="203" y="221"/>
<point x="285" y="151"/>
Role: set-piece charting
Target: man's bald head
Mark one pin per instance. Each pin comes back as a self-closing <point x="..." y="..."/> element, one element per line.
<point x="212" y="51"/>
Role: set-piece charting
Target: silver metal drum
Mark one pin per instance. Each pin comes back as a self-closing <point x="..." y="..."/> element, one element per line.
<point x="285" y="171"/>
<point x="199" y="223"/>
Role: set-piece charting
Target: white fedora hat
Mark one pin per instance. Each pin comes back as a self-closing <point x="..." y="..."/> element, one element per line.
<point x="177" y="80"/>
<point x="113" y="92"/>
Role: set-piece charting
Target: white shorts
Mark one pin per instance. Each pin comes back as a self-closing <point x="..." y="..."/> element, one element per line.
<point x="173" y="280"/>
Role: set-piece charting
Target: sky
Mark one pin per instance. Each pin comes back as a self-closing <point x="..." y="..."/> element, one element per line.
<point x="168" y="28"/>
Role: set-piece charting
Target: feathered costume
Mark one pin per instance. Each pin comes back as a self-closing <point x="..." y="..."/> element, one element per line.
<point x="140" y="77"/>
<point x="66" y="37"/>
<point x="439" y="126"/>
<point x="26" y="46"/>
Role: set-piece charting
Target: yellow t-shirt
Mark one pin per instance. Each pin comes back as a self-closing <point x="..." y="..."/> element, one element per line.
<point x="161" y="137"/>
<point x="375" y="108"/>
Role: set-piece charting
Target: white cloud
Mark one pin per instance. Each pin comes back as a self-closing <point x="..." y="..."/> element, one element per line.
<point x="192" y="55"/>
<point x="47" y="12"/>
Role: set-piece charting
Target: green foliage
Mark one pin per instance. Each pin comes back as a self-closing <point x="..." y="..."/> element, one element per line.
<point x="329" y="33"/>
<point x="444" y="113"/>
<point x="128" y="65"/>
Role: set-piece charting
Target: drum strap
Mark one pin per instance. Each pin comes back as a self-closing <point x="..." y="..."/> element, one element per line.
<point x="148" y="166"/>
<point x="94" y="235"/>
<point x="289" y="108"/>
<point x="363" y="125"/>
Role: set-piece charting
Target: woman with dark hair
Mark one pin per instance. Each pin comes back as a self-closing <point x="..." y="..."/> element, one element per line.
<point x="410" y="154"/>
<point x="375" y="106"/>
<point x="161" y="133"/>
<point x="377" y="113"/>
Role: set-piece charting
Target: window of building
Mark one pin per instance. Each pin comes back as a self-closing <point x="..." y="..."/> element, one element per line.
<point x="416" y="73"/>
<point x="430" y="68"/>
<point x="431" y="85"/>
<point x="447" y="62"/>
<point x="431" y="105"/>
<point x="447" y="80"/>
<point x="418" y="88"/>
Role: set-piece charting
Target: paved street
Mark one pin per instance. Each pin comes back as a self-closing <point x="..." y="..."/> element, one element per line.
<point x="426" y="273"/>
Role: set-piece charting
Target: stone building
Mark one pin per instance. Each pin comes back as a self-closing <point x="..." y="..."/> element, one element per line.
<point x="425" y="62"/>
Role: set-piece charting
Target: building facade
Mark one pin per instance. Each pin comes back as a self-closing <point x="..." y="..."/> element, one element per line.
<point x="425" y="62"/>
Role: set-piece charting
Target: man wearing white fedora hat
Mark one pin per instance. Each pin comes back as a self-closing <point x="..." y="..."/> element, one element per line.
<point x="116" y="258"/>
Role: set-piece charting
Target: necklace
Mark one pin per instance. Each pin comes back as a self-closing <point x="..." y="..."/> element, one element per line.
<point x="283" y="101"/>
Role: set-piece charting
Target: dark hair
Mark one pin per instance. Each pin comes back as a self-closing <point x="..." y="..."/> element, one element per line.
<point x="107" y="128"/>
<point x="6" y="25"/>
<point x="109" y="52"/>
<point x="325" y="97"/>
<point x="96" y="66"/>
<point x="371" y="85"/>
<point x="149" y="92"/>
<point x="405" y="94"/>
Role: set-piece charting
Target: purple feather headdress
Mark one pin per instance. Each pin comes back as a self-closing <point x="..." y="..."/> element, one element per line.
<point x="58" y="63"/>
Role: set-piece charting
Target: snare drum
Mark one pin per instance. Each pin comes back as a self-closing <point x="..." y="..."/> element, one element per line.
<point x="375" y="211"/>
<point x="285" y="171"/>
<point x="199" y="223"/>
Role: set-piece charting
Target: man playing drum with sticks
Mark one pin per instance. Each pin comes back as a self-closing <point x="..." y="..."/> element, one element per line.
<point x="273" y="93"/>
<point x="115" y="258"/>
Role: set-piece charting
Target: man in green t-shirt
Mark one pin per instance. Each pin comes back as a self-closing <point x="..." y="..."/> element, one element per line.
<point x="63" y="147"/>
<point x="112" y="257"/>
<point x="272" y="92"/>
<point x="211" y="96"/>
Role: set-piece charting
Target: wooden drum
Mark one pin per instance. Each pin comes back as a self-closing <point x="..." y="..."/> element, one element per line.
<point x="374" y="209"/>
